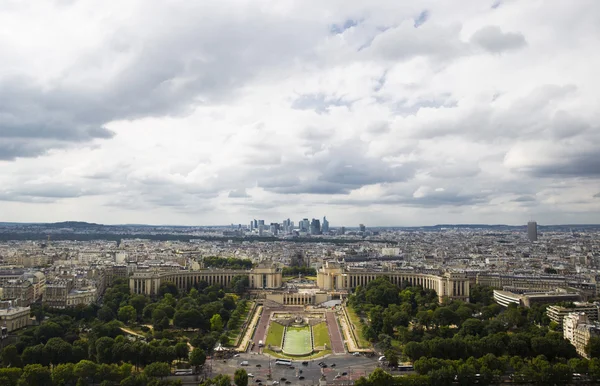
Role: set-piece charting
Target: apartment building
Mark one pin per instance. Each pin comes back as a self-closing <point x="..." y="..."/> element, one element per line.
<point x="578" y="329"/>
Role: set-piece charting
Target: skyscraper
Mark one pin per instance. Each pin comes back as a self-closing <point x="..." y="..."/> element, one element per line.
<point x="361" y="227"/>
<point x="315" y="227"/>
<point x="325" y="226"/>
<point x="532" y="230"/>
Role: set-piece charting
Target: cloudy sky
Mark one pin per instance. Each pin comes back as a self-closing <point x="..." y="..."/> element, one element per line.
<point x="377" y="112"/>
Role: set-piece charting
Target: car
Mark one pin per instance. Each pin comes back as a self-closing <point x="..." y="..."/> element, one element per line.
<point x="250" y="375"/>
<point x="321" y="363"/>
<point x="301" y="378"/>
<point x="258" y="381"/>
<point x="244" y="363"/>
<point x="332" y="365"/>
<point x="324" y="366"/>
<point x="236" y="356"/>
<point x="288" y="382"/>
<point x="258" y="365"/>
<point x="283" y="379"/>
<point x="275" y="383"/>
<point x="305" y="363"/>
<point x="337" y="376"/>
<point x="343" y="374"/>
<point x="356" y="354"/>
<point x="300" y="371"/>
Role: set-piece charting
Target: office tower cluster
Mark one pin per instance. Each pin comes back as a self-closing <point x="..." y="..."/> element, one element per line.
<point x="287" y="227"/>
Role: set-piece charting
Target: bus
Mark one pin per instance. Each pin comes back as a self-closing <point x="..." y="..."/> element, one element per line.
<point x="406" y="368"/>
<point x="184" y="372"/>
<point x="283" y="362"/>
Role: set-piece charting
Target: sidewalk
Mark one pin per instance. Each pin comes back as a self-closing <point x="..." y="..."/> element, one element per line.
<point x="243" y="346"/>
<point x="348" y="335"/>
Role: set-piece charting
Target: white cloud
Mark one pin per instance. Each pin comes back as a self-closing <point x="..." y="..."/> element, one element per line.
<point x="216" y="111"/>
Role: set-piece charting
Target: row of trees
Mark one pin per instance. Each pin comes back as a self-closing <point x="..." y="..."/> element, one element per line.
<point x="227" y="262"/>
<point x="86" y="372"/>
<point x="298" y="270"/>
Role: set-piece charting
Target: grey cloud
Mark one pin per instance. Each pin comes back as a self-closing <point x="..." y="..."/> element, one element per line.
<point x="583" y="164"/>
<point x="432" y="200"/>
<point x="338" y="29"/>
<point x="194" y="58"/>
<point x="597" y="195"/>
<point x="238" y="193"/>
<point x="492" y="39"/>
<point x="404" y="42"/>
<point x="421" y="19"/>
<point x="455" y="171"/>
<point x="319" y="103"/>
<point x="524" y="199"/>
<point x="337" y="169"/>
<point x="47" y="192"/>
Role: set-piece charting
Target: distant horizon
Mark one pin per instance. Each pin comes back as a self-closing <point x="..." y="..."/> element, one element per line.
<point x="330" y="225"/>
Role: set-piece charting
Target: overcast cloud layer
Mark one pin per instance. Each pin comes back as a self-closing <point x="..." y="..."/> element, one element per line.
<point x="377" y="112"/>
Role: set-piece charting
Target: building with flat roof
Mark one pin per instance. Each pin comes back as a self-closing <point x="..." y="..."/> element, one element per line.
<point x="558" y="313"/>
<point x="13" y="317"/>
<point x="505" y="298"/>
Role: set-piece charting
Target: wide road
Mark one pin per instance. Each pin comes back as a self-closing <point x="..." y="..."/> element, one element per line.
<point x="335" y="335"/>
<point x="261" y="329"/>
<point x="353" y="366"/>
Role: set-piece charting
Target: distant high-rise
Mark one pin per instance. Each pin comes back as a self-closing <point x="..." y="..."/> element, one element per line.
<point x="361" y="227"/>
<point x="315" y="227"/>
<point x="304" y="225"/>
<point x="325" y="226"/>
<point x="532" y="230"/>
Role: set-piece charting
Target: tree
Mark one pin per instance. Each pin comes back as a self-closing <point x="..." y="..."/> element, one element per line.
<point x="221" y="380"/>
<point x="127" y="314"/>
<point x="138" y="302"/>
<point x="10" y="356"/>
<point x="105" y="314"/>
<point x="57" y="351"/>
<point x="85" y="370"/>
<point x="216" y="323"/>
<point x="380" y="378"/>
<point x="240" y="377"/>
<point x="197" y="358"/>
<point x="167" y="288"/>
<point x="592" y="348"/>
<point x="48" y="330"/>
<point x="36" y="375"/>
<point x="391" y="357"/>
<point x="182" y="350"/>
<point x="63" y="374"/>
<point x="34" y="354"/>
<point x="10" y="376"/>
<point x="104" y="350"/>
<point x="160" y="320"/>
<point x="157" y="370"/>
<point x="444" y="316"/>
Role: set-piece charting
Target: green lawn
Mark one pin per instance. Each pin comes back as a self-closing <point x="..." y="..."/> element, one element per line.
<point x="355" y="320"/>
<point x="274" y="335"/>
<point x="321" y="335"/>
<point x="297" y="341"/>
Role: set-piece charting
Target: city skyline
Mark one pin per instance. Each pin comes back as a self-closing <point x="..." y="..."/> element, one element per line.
<point x="387" y="113"/>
